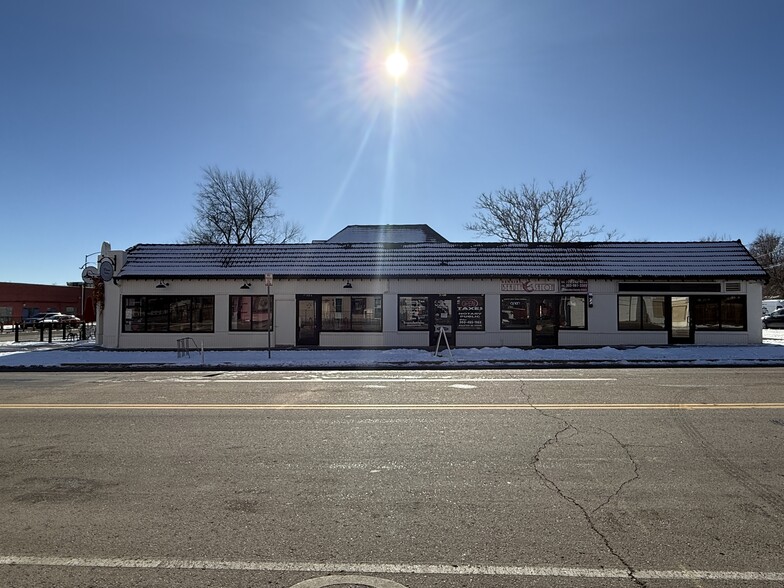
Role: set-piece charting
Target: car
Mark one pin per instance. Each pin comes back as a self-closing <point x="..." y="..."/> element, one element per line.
<point x="71" y="320"/>
<point x="59" y="319"/>
<point x="32" y="321"/>
<point x="775" y="320"/>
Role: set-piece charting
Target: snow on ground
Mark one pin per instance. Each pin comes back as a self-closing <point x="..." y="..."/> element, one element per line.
<point x="86" y="354"/>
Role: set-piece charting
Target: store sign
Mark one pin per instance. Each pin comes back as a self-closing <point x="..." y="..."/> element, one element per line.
<point x="529" y="286"/>
<point x="471" y="313"/>
<point x="574" y="285"/>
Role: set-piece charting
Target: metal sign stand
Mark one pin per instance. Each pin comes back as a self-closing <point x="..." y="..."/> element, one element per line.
<point x="442" y="335"/>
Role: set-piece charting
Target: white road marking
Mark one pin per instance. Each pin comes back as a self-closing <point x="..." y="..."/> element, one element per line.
<point x="380" y="380"/>
<point x="368" y="568"/>
<point x="462" y="386"/>
<point x="325" y="581"/>
<point x="399" y="407"/>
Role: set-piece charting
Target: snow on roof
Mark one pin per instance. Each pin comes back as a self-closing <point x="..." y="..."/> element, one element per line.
<point x="709" y="260"/>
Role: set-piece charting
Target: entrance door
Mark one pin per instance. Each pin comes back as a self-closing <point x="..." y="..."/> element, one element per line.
<point x="544" y="317"/>
<point x="307" y="323"/>
<point x="681" y="330"/>
<point x="442" y="313"/>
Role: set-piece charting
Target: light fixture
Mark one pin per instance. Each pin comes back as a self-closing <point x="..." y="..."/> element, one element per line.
<point x="162" y="284"/>
<point x="348" y="284"/>
<point x="245" y="285"/>
<point x="590" y="300"/>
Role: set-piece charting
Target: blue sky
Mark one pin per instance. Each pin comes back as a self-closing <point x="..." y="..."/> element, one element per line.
<point x="109" y="111"/>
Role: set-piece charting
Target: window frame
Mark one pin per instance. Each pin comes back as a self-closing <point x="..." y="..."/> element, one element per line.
<point x="145" y="313"/>
<point x="517" y="326"/>
<point x="264" y="326"/>
<point x="721" y="301"/>
<point x="564" y="298"/>
<point x="641" y="325"/>
<point x="422" y="325"/>
<point x="350" y="311"/>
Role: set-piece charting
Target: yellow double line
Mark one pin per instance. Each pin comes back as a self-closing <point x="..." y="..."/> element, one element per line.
<point x="421" y="407"/>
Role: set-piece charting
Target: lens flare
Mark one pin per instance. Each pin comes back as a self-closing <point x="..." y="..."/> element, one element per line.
<point x="397" y="64"/>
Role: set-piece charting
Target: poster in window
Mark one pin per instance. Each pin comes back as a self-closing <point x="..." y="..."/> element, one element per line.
<point x="471" y="313"/>
<point x="413" y="313"/>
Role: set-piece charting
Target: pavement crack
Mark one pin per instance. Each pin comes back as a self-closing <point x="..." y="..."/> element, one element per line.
<point x="587" y="514"/>
<point x="629" y="480"/>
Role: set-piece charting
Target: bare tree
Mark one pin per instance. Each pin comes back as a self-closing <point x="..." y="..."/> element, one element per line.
<point x="768" y="249"/>
<point x="714" y="238"/>
<point x="239" y="208"/>
<point x="531" y="214"/>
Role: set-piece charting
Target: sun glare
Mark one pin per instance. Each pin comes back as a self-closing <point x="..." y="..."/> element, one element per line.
<point x="397" y="64"/>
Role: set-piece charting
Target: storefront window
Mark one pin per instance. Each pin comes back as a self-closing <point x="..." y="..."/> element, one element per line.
<point x="641" y="313"/>
<point x="471" y="313"/>
<point x="515" y="312"/>
<point x="573" y="312"/>
<point x="250" y="313"/>
<point x="413" y="313"/>
<point x="351" y="313"/>
<point x="202" y="314"/>
<point x="168" y="314"/>
<point x="711" y="313"/>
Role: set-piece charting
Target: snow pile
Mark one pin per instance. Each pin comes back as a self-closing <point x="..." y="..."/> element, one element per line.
<point x="69" y="354"/>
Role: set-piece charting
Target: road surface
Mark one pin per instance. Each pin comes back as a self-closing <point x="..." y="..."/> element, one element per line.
<point x="555" y="478"/>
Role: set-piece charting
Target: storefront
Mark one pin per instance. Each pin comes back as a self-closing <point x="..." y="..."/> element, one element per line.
<point x="407" y="294"/>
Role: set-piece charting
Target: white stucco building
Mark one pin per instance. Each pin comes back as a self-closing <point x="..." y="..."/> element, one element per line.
<point x="403" y="285"/>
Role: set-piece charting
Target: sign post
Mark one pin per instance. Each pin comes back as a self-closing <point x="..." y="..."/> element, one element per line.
<point x="268" y="283"/>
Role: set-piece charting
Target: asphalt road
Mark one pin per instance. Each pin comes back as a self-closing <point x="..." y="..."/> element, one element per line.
<point x="557" y="478"/>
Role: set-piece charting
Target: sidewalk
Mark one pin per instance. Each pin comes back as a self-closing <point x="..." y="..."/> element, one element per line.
<point x="86" y="356"/>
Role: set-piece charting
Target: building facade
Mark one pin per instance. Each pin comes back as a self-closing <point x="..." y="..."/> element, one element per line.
<point x="19" y="301"/>
<point x="405" y="286"/>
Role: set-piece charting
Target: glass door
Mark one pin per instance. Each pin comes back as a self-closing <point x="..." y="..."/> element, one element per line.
<point x="307" y="321"/>
<point x="681" y="330"/>
<point x="544" y="318"/>
<point x="442" y="313"/>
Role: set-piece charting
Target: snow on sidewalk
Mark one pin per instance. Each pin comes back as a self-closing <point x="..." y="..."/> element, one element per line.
<point x="68" y="354"/>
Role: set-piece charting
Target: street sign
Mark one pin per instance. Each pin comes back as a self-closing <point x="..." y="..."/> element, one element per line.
<point x="89" y="273"/>
<point x="107" y="270"/>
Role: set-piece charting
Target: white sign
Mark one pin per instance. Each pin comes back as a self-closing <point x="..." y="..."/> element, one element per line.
<point x="89" y="273"/>
<point x="530" y="286"/>
<point x="268" y="279"/>
<point x="107" y="270"/>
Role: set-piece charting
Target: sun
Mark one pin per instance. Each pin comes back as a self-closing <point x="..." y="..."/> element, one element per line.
<point x="397" y="64"/>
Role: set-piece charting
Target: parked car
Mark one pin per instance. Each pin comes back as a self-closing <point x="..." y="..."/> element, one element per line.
<point x="72" y="320"/>
<point x="774" y="320"/>
<point x="32" y="321"/>
<point x="59" y="319"/>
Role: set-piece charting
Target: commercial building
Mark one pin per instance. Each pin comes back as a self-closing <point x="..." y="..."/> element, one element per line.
<point x="405" y="285"/>
<point x="20" y="301"/>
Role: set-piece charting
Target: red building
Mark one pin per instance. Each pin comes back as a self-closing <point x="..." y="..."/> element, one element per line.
<point x="18" y="301"/>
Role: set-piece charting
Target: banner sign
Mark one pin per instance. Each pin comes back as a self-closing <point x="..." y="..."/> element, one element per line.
<point x="529" y="286"/>
<point x="574" y="285"/>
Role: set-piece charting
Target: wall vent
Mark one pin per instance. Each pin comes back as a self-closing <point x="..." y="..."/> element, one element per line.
<point x="732" y="287"/>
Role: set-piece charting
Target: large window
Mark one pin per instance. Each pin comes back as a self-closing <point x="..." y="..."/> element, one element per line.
<point x="573" y="312"/>
<point x="168" y="314"/>
<point x="250" y="313"/>
<point x="351" y="313"/>
<point x="515" y="312"/>
<point x="461" y="312"/>
<point x="641" y="313"/>
<point x="710" y="313"/>
<point x="413" y="313"/>
<point x="470" y="313"/>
